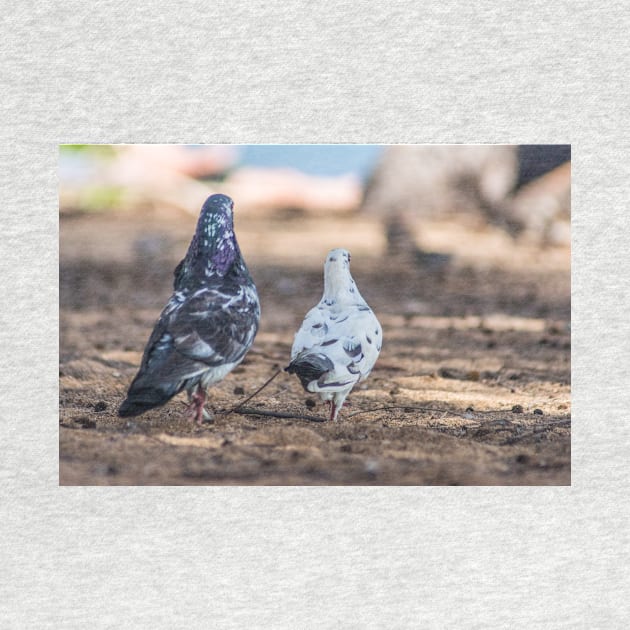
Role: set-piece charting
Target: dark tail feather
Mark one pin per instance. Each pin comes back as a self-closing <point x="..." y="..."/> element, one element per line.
<point x="139" y="401"/>
<point x="129" y="408"/>
<point x="309" y="367"/>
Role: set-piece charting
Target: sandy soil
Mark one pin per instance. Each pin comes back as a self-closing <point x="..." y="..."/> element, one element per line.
<point x="472" y="385"/>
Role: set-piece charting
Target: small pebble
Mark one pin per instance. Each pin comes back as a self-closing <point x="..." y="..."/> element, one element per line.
<point x="445" y="372"/>
<point x="310" y="403"/>
<point x="538" y="412"/>
<point x="517" y="409"/>
<point x="100" y="406"/>
<point x="239" y="391"/>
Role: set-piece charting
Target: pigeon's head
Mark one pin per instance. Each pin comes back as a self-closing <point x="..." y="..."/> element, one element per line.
<point x="213" y="248"/>
<point x="337" y="259"/>
<point x="338" y="283"/>
<point x="217" y="217"/>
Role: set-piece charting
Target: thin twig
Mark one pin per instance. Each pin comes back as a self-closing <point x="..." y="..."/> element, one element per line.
<point x="239" y="405"/>
<point x="467" y="416"/>
<point x="249" y="411"/>
<point x="538" y="428"/>
<point x="559" y="423"/>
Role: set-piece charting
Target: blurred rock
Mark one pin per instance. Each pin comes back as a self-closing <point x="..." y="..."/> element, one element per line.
<point x="542" y="207"/>
<point x="431" y="180"/>
<point x="523" y="189"/>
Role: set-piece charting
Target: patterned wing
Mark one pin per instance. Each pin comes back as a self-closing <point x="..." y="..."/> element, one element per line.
<point x="205" y="330"/>
<point x="216" y="328"/>
<point x="353" y="344"/>
<point x="312" y="332"/>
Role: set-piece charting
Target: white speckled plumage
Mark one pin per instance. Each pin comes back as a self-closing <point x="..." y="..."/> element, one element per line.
<point x="339" y="340"/>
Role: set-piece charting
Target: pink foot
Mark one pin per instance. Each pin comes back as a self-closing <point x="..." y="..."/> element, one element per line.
<point x="195" y="408"/>
<point x="333" y="411"/>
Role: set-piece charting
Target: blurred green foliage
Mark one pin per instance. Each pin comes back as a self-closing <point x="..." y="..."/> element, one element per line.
<point x="84" y="189"/>
<point x="93" y="150"/>
<point x="99" y="198"/>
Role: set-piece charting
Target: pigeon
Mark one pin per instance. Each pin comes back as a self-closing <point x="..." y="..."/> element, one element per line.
<point x="207" y="326"/>
<point x="340" y="338"/>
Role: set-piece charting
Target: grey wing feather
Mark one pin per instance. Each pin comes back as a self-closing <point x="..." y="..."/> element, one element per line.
<point x="214" y="328"/>
<point x="205" y="330"/>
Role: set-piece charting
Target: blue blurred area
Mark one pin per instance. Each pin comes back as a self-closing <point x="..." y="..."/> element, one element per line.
<point x="81" y="161"/>
<point x="313" y="159"/>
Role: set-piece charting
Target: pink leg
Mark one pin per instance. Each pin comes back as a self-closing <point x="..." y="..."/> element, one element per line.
<point x="333" y="411"/>
<point x="195" y="409"/>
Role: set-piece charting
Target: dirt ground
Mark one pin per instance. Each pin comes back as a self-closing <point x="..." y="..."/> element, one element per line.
<point x="472" y="385"/>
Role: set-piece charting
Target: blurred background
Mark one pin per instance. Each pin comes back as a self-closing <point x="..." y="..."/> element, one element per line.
<point x="523" y="190"/>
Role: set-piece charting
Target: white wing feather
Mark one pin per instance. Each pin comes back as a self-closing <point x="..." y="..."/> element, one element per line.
<point x="350" y="337"/>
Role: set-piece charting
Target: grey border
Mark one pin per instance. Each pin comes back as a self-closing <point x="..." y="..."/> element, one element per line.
<point x="314" y="557"/>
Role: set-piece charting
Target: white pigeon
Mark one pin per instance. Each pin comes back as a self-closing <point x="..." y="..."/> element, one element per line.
<point x="340" y="338"/>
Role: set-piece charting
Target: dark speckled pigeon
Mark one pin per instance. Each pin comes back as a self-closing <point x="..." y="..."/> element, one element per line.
<point x="207" y="326"/>
<point x="340" y="338"/>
